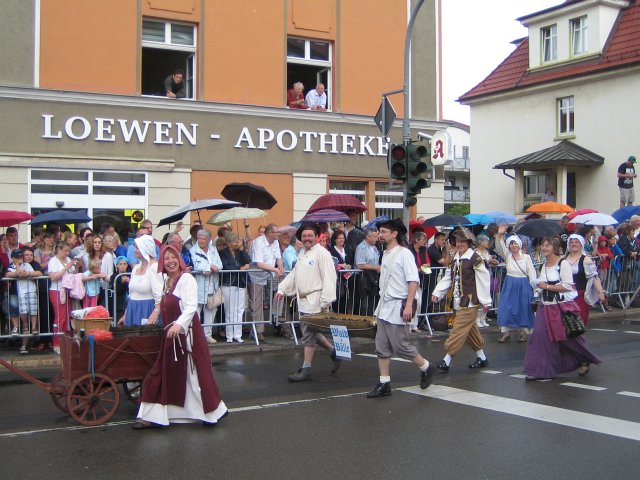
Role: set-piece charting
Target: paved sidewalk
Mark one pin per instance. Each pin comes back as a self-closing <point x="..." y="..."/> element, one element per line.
<point x="49" y="360"/>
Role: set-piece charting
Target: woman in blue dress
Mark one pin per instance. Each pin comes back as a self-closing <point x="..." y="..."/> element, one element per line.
<point x="514" y="307"/>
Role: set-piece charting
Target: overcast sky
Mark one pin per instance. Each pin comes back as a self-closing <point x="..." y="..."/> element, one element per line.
<point x="476" y="36"/>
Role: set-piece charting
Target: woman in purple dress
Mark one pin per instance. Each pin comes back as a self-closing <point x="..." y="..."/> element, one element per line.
<point x="180" y="387"/>
<point x="550" y="351"/>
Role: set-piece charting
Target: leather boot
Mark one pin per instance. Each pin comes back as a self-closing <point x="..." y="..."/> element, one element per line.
<point x="302" y="375"/>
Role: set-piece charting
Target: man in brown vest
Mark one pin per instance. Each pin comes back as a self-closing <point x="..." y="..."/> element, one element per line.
<point x="469" y="278"/>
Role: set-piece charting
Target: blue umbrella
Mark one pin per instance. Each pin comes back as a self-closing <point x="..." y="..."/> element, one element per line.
<point x="623" y="214"/>
<point x="479" y="219"/>
<point x="61" y="216"/>
<point x="501" y="217"/>
<point x="381" y="219"/>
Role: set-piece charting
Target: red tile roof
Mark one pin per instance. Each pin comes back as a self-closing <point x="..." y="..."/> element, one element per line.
<point x="622" y="49"/>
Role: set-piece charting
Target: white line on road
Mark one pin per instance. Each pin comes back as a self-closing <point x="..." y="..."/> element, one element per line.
<point x="629" y="394"/>
<point x="490" y="372"/>
<point x="602" y="330"/>
<point x="580" y="385"/>
<point x="632" y="331"/>
<point x="392" y="358"/>
<point x="543" y="413"/>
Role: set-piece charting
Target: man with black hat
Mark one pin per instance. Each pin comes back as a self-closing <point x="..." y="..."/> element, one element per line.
<point x="626" y="174"/>
<point x="313" y="282"/>
<point x="399" y="282"/>
<point x="469" y="278"/>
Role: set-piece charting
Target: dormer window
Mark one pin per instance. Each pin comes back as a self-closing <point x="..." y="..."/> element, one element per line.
<point x="579" y="35"/>
<point x="549" y="43"/>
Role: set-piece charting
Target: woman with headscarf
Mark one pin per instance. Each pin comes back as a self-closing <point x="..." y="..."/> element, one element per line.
<point x="583" y="269"/>
<point x="206" y="265"/>
<point x="514" y="307"/>
<point x="551" y="351"/>
<point x="145" y="285"/>
<point x="180" y="387"/>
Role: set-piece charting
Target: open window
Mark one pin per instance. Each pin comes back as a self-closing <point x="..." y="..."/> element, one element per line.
<point x="167" y="47"/>
<point x="309" y="62"/>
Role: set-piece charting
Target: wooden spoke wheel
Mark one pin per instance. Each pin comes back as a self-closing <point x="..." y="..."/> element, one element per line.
<point x="132" y="390"/>
<point x="93" y="402"/>
<point x="59" y="393"/>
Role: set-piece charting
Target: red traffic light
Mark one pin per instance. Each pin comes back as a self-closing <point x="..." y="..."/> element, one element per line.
<point x="398" y="152"/>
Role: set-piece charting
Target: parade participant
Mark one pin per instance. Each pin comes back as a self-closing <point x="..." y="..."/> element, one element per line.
<point x="313" y="282"/>
<point x="550" y="351"/>
<point x="469" y="278"/>
<point x="516" y="295"/>
<point x="399" y="282"/>
<point x="180" y="387"/>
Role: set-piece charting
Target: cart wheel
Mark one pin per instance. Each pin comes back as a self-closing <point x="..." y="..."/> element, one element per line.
<point x="59" y="393"/>
<point x="93" y="402"/>
<point x="132" y="390"/>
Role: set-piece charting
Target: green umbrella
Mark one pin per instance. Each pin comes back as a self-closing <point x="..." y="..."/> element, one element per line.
<point x="235" y="213"/>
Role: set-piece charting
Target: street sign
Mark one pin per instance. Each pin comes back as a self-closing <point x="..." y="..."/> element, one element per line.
<point x="389" y="116"/>
<point x="441" y="148"/>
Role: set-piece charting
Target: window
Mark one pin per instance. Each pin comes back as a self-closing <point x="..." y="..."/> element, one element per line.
<point x="388" y="200"/>
<point x="579" y="35"/>
<point x="565" y="116"/>
<point x="309" y="62"/>
<point x="534" y="185"/>
<point x="167" y="47"/>
<point x="549" y="44"/>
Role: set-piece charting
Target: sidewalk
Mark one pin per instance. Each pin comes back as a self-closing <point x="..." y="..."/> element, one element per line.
<point x="49" y="360"/>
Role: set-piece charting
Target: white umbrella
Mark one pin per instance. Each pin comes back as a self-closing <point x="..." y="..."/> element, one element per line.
<point x="594" y="218"/>
<point x="235" y="213"/>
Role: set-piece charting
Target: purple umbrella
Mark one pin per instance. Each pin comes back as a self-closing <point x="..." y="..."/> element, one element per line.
<point x="326" y="215"/>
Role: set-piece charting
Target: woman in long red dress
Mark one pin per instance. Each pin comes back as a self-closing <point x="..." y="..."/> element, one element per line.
<point x="180" y="387"/>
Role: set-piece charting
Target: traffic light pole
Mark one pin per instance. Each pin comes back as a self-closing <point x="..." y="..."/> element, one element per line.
<point x="406" y="123"/>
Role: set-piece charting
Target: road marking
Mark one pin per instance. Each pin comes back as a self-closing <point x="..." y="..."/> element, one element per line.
<point x="602" y="330"/>
<point x="629" y="394"/>
<point x="371" y="355"/>
<point x="581" y="385"/>
<point x="523" y="376"/>
<point x="534" y="411"/>
<point x="490" y="372"/>
<point x="231" y="410"/>
<point x="632" y="331"/>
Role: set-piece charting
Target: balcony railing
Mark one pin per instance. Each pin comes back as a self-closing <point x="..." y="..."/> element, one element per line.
<point x="458" y="164"/>
<point x="456" y="196"/>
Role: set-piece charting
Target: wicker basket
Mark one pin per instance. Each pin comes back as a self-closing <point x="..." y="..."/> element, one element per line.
<point x="90" y="324"/>
<point x="357" y="325"/>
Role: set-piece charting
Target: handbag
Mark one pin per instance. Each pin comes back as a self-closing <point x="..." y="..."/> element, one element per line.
<point x="572" y="322"/>
<point x="414" y="307"/>
<point x="214" y="299"/>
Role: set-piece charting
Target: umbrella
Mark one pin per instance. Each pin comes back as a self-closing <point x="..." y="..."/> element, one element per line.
<point x="207" y="204"/>
<point x="341" y="202"/>
<point x="12" y="217"/>
<point x="550" y="207"/>
<point x="249" y="195"/>
<point x="445" y="220"/>
<point x="479" y="219"/>
<point x="417" y="226"/>
<point x="290" y="229"/>
<point x="374" y="223"/>
<point x="325" y="215"/>
<point x="502" y="218"/>
<point x="625" y="213"/>
<point x="539" y="228"/>
<point x="595" y="218"/>
<point x="582" y="211"/>
<point x="61" y="216"/>
<point x="235" y="213"/>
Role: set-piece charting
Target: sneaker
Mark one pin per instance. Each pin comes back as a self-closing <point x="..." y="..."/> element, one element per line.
<point x="56" y="350"/>
<point x="15" y="331"/>
<point x="211" y="340"/>
<point x="239" y="340"/>
<point x="229" y="340"/>
<point x="23" y="350"/>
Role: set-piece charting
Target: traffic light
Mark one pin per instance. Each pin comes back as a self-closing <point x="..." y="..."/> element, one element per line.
<point x="397" y="162"/>
<point x="416" y="167"/>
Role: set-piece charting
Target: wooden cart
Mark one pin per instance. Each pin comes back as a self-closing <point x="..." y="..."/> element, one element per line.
<point x="87" y="385"/>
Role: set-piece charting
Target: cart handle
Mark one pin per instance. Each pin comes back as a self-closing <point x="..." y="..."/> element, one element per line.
<point x="18" y="371"/>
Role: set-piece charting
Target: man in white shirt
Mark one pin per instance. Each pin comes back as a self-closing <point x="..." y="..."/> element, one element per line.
<point x="399" y="282"/>
<point x="313" y="282"/>
<point x="265" y="255"/>
<point x="316" y="99"/>
<point x="469" y="278"/>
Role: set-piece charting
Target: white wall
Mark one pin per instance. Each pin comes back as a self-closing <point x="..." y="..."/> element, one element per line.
<point x="307" y="187"/>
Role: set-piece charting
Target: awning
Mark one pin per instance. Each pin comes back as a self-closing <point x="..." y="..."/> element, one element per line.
<point x="565" y="153"/>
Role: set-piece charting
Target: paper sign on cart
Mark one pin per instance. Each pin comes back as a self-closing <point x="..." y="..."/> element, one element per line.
<point x="341" y="341"/>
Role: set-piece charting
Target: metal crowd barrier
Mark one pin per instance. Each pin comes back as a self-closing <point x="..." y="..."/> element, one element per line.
<point x="37" y="318"/>
<point x="622" y="280"/>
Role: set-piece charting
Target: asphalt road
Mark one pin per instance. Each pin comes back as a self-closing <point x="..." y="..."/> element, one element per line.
<point x="487" y="424"/>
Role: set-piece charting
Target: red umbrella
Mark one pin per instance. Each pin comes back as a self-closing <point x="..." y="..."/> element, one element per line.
<point x="416" y="225"/>
<point x="337" y="201"/>
<point x="12" y="217"/>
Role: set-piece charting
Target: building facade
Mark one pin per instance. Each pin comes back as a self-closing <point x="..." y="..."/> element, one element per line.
<point x="560" y="111"/>
<point x="86" y="124"/>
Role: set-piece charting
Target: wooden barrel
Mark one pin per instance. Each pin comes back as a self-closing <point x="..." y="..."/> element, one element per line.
<point x="357" y="325"/>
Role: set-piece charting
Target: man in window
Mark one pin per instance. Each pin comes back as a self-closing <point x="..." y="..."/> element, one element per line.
<point x="174" y="85"/>
<point x="316" y="99"/>
<point x="626" y="174"/>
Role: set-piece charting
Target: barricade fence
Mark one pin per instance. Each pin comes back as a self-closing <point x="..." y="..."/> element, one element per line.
<point x="248" y="305"/>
